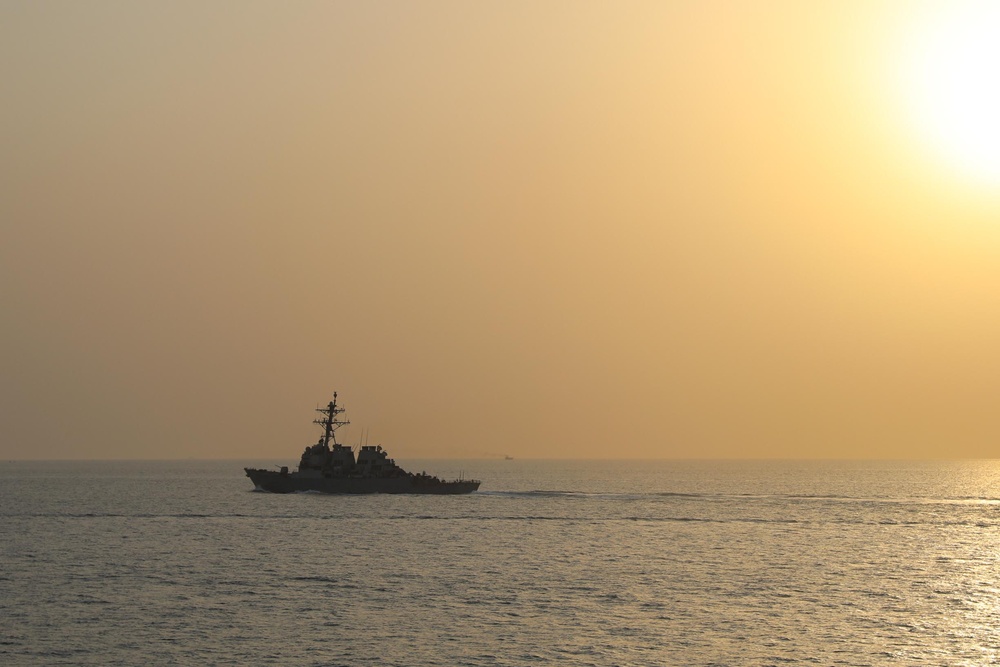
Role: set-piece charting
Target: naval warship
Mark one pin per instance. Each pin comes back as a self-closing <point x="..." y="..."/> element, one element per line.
<point x="330" y="467"/>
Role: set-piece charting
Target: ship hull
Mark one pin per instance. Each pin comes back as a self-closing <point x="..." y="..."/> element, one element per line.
<point x="278" y="482"/>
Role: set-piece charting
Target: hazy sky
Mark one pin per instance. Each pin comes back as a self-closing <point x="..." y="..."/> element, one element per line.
<point x="544" y="229"/>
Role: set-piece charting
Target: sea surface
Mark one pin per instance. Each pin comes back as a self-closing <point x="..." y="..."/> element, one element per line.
<point x="551" y="562"/>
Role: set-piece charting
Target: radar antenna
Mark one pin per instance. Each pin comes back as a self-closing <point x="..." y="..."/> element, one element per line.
<point x="330" y="423"/>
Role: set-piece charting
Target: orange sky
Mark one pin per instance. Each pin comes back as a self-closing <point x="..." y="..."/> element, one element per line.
<point x="544" y="229"/>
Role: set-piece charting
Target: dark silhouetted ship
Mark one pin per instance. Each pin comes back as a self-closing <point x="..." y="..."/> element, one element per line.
<point x="330" y="467"/>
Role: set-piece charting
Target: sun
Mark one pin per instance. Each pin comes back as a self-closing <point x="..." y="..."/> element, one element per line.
<point x="951" y="86"/>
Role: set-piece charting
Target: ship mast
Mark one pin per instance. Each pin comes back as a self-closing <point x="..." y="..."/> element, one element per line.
<point x="330" y="423"/>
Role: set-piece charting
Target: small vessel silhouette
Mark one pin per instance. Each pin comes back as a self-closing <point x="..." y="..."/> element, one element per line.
<point x="330" y="467"/>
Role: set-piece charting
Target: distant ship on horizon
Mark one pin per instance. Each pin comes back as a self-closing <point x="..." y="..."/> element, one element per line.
<point x="330" y="467"/>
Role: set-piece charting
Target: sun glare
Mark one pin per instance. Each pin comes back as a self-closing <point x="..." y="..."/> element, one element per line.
<point x="951" y="83"/>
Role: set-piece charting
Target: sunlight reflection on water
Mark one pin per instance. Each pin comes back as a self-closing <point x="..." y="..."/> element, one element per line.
<point x="604" y="563"/>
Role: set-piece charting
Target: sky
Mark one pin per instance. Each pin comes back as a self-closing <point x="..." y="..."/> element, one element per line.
<point x="544" y="229"/>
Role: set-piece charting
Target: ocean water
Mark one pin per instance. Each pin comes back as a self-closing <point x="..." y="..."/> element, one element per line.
<point x="551" y="562"/>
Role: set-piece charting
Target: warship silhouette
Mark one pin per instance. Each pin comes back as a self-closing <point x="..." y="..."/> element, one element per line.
<point x="330" y="467"/>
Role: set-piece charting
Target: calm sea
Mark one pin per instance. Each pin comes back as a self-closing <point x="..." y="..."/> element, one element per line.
<point x="575" y="563"/>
